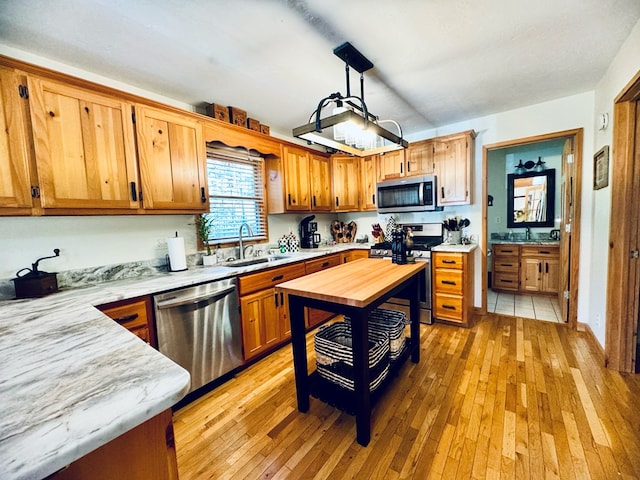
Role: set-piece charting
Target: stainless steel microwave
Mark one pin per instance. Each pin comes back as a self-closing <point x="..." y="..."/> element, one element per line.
<point x="411" y="194"/>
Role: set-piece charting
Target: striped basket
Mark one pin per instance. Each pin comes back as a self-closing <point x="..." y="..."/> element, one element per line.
<point x="334" y="357"/>
<point x="391" y="322"/>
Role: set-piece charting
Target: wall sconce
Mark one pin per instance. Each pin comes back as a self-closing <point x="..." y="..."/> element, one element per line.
<point x="520" y="168"/>
<point x="540" y="165"/>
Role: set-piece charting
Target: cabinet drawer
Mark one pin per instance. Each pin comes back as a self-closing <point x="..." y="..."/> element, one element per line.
<point x="448" y="281"/>
<point x="130" y="316"/>
<point x="315" y="265"/>
<point x="269" y="278"/>
<point x="505" y="281"/>
<point x="499" y="249"/>
<point x="541" y="251"/>
<point x="449" y="260"/>
<point x="506" y="265"/>
<point x="448" y="307"/>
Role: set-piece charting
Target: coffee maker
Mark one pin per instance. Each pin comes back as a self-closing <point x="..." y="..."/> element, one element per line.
<point x="308" y="236"/>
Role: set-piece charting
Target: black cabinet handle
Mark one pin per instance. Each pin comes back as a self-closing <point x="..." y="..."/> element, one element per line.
<point x="449" y="307"/>
<point x="276" y="297"/>
<point x="507" y="281"/>
<point x="289" y="198"/>
<point x="507" y="251"/>
<point x="448" y="282"/>
<point x="126" y="318"/>
<point x="448" y="261"/>
<point x="539" y="268"/>
<point x="507" y="264"/>
<point x="134" y="195"/>
<point x="281" y="298"/>
<point x="547" y="252"/>
<point x="277" y="277"/>
<point x="373" y="198"/>
<point x="401" y="167"/>
<point x="325" y="264"/>
<point x="442" y="189"/>
<point x="546" y="268"/>
<point x="337" y="202"/>
<point x="314" y="200"/>
<point x="203" y="197"/>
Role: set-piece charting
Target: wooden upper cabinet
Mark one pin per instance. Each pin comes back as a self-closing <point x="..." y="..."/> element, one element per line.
<point x="320" y="183"/>
<point x="296" y="176"/>
<point x="454" y="155"/>
<point x="15" y="185"/>
<point x="346" y="183"/>
<point x="172" y="160"/>
<point x="420" y="158"/>
<point x="84" y="146"/>
<point x="392" y="165"/>
<point x="368" y="180"/>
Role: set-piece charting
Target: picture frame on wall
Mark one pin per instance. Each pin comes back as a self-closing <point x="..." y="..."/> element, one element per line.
<point x="601" y="168"/>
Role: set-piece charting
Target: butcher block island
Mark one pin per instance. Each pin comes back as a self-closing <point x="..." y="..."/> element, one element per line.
<point x="353" y="289"/>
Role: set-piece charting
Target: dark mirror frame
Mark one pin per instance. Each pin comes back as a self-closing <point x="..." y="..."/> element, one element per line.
<point x="551" y="196"/>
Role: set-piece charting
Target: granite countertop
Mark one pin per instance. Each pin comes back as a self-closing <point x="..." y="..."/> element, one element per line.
<point x="72" y="379"/>
<point x="445" y="247"/>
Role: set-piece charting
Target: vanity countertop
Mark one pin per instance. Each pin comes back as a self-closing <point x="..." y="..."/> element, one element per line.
<point x="445" y="247"/>
<point x="525" y="242"/>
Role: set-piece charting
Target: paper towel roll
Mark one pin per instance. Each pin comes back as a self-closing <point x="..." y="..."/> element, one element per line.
<point x="177" y="255"/>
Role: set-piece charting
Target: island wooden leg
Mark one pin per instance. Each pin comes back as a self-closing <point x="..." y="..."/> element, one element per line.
<point x="414" y="318"/>
<point x="299" y="345"/>
<point x="360" y="345"/>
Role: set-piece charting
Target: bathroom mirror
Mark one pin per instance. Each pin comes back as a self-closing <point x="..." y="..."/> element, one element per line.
<point x="530" y="199"/>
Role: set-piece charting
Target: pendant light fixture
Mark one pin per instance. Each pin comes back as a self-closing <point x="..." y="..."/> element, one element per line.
<point x="350" y="127"/>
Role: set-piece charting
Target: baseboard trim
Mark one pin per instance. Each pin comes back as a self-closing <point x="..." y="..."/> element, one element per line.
<point x="585" y="327"/>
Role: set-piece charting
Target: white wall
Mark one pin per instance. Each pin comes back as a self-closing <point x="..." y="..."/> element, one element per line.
<point x="622" y="69"/>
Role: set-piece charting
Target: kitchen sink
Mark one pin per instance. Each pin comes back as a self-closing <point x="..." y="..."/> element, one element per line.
<point x="253" y="261"/>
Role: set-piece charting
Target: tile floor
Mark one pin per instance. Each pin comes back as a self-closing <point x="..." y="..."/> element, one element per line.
<point x="527" y="306"/>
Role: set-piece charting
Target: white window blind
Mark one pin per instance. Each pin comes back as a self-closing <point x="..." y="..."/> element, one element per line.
<point x="236" y="193"/>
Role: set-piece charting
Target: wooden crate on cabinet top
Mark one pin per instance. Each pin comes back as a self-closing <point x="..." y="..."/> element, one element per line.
<point x="265" y="129"/>
<point x="253" y="124"/>
<point x="219" y="112"/>
<point x="237" y="116"/>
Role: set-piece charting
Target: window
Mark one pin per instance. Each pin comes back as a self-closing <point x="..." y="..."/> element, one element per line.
<point x="236" y="193"/>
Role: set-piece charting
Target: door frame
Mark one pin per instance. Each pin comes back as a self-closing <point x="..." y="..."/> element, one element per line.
<point x="623" y="272"/>
<point x="574" y="261"/>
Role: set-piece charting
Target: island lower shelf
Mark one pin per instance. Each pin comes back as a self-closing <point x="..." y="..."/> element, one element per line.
<point x="344" y="399"/>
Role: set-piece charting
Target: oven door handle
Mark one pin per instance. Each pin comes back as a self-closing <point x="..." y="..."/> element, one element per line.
<point x="210" y="296"/>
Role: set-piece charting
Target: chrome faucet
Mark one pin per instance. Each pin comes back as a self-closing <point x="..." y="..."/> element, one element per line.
<point x="528" y="234"/>
<point x="249" y="232"/>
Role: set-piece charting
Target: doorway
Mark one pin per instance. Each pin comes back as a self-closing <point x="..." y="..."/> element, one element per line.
<point x="562" y="152"/>
<point x="622" y="349"/>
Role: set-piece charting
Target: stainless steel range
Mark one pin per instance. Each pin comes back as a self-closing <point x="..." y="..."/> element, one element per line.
<point x="425" y="236"/>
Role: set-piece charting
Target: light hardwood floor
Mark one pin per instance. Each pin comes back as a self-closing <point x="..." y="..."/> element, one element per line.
<point x="508" y="398"/>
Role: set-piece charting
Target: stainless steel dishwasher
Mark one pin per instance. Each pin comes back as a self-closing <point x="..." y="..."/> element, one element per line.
<point x="199" y="329"/>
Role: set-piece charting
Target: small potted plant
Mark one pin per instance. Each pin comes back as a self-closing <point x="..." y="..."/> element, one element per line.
<point x="204" y="224"/>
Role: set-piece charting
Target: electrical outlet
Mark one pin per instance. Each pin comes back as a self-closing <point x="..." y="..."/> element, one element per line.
<point x="498" y="219"/>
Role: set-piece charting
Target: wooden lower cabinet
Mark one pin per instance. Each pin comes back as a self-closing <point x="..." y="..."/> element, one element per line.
<point x="540" y="269"/>
<point x="453" y="287"/>
<point x="147" y="451"/>
<point x="135" y="315"/>
<point x="506" y="267"/>
<point x="264" y="313"/>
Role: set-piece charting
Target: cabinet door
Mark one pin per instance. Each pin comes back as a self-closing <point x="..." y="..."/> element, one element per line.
<point x="320" y="178"/>
<point x="368" y="180"/>
<point x="346" y="180"/>
<point x="296" y="177"/>
<point x="260" y="322"/>
<point x="420" y="158"/>
<point x="531" y="275"/>
<point x="84" y="147"/>
<point x="551" y="276"/>
<point x="391" y="165"/>
<point x="172" y="160"/>
<point x="453" y="166"/>
<point x="15" y="185"/>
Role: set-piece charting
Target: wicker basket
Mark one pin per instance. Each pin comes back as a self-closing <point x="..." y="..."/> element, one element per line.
<point x="391" y="322"/>
<point x="334" y="357"/>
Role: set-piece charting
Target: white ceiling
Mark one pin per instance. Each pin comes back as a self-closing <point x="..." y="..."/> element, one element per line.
<point x="436" y="61"/>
